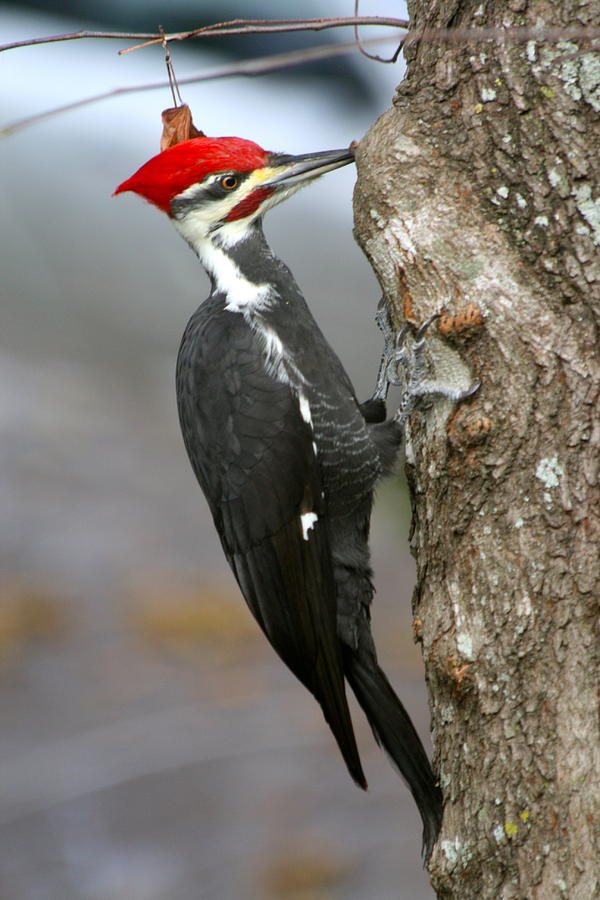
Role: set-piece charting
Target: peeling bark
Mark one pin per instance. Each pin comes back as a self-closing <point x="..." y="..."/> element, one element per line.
<point x="478" y="195"/>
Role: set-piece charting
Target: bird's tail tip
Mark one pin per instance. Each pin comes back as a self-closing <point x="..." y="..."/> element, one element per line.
<point x="394" y="731"/>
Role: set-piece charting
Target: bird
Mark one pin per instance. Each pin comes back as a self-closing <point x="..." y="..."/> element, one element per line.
<point x="285" y="454"/>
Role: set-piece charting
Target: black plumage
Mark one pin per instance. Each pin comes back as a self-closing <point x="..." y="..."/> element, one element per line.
<point x="262" y="466"/>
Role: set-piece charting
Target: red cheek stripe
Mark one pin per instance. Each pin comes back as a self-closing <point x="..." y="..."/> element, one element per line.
<point x="249" y="204"/>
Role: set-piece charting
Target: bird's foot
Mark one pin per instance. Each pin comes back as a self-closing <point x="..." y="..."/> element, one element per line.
<point x="406" y="366"/>
<point x="392" y="341"/>
<point x="411" y="372"/>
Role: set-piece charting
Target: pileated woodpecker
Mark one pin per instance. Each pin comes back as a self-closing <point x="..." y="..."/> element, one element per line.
<point x="286" y="456"/>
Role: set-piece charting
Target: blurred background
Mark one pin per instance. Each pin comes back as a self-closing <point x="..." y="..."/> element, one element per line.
<point x="152" y="745"/>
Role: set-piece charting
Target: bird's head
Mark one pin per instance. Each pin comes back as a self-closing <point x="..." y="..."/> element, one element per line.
<point x="218" y="187"/>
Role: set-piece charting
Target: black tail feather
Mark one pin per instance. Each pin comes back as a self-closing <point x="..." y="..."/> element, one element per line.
<point x="395" y="732"/>
<point x="332" y="699"/>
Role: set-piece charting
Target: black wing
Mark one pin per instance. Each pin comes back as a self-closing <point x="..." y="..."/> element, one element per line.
<point x="253" y="454"/>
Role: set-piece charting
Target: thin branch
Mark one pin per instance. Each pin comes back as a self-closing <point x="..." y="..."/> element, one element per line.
<point x="235" y="26"/>
<point x="257" y="66"/>
<point x="274" y="26"/>
<point x="391" y="59"/>
<point x="250" y="26"/>
<point x="75" y="36"/>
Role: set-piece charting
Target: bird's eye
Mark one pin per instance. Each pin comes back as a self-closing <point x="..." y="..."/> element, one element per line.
<point x="229" y="182"/>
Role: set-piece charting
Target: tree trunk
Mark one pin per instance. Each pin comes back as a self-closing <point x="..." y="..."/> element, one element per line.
<point x="478" y="195"/>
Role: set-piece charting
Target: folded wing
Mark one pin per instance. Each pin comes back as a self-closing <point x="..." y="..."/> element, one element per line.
<point x="253" y="453"/>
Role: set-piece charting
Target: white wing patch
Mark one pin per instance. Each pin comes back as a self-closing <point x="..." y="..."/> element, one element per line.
<point x="277" y="362"/>
<point x="305" y="409"/>
<point x="307" y="520"/>
<point x="273" y="349"/>
<point x="305" y="413"/>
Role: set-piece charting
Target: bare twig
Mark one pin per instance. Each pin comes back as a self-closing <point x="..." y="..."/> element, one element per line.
<point x="76" y="36"/>
<point x="382" y="59"/>
<point x="274" y="26"/>
<point x="257" y="66"/>
<point x="235" y="26"/>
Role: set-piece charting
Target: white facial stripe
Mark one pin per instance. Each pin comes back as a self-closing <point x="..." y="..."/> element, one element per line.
<point x="200" y="227"/>
<point x="243" y="295"/>
<point x="211" y="211"/>
<point x="197" y="224"/>
<point x="231" y="233"/>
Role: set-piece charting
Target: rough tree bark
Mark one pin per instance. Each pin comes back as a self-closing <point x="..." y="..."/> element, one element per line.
<point x="478" y="194"/>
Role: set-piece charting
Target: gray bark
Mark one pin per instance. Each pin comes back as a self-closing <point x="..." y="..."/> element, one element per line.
<point x="478" y="195"/>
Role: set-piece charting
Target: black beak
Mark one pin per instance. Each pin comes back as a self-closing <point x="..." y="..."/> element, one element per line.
<point x="294" y="169"/>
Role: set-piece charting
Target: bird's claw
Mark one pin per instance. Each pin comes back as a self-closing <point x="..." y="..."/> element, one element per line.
<point x="422" y="328"/>
<point x="400" y="337"/>
<point x="388" y="367"/>
<point x="382" y="320"/>
<point x="406" y="366"/>
<point x="468" y="392"/>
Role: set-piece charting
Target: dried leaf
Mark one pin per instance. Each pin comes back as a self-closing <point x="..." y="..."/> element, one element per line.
<point x="177" y="126"/>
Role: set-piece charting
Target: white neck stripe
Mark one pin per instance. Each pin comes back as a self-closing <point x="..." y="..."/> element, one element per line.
<point x="242" y="295"/>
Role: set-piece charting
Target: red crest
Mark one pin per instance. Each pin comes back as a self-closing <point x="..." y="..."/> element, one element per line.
<point x="169" y="173"/>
